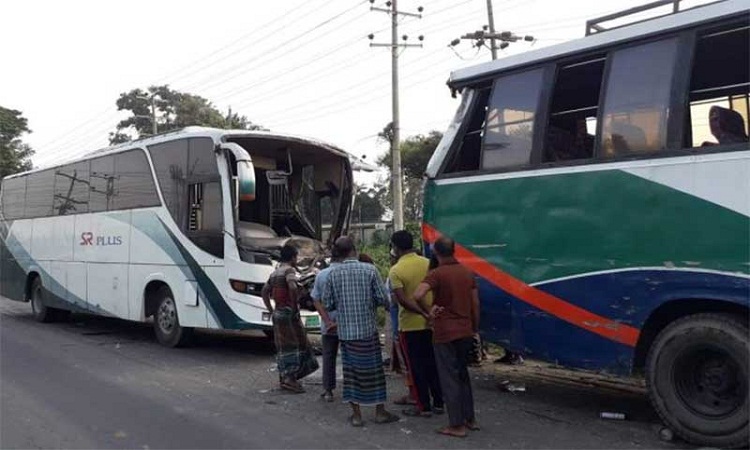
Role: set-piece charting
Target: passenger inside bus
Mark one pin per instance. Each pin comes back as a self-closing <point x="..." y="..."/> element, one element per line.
<point x="727" y="126"/>
<point x="563" y="145"/>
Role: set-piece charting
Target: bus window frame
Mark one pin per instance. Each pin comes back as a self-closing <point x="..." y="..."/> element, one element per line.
<point x="679" y="105"/>
<point x="457" y="142"/>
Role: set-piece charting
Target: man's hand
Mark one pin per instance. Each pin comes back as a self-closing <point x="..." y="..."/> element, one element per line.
<point x="331" y="326"/>
<point x="436" y="312"/>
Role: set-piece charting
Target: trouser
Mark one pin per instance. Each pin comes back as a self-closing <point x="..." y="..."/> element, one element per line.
<point x="420" y="359"/>
<point x="452" y="360"/>
<point x="330" y="350"/>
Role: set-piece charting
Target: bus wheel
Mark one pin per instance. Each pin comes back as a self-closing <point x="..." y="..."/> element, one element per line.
<point x="167" y="326"/>
<point x="42" y="312"/>
<point x="697" y="375"/>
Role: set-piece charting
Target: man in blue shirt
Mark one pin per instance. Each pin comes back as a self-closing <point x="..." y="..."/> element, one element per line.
<point x="328" y="330"/>
<point x="354" y="290"/>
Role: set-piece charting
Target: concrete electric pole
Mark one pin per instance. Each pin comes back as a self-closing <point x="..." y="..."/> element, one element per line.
<point x="398" y="198"/>
<point x="491" y="23"/>
<point x="152" y="101"/>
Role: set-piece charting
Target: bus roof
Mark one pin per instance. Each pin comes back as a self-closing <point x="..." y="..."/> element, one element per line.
<point x="671" y="22"/>
<point x="196" y="131"/>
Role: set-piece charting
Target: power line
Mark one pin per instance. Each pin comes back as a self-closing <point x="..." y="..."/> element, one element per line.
<point x="314" y="108"/>
<point x="99" y="118"/>
<point x="288" y="70"/>
<point x="245" y="66"/>
<point x="208" y="57"/>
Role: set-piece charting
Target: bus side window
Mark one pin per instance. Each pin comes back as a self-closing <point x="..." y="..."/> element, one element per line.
<point x="719" y="87"/>
<point x="14" y="197"/>
<point x="40" y="189"/>
<point x="575" y="102"/>
<point x="636" y="102"/>
<point x="134" y="184"/>
<point x="468" y="155"/>
<point x="102" y="184"/>
<point x="72" y="189"/>
<point x="509" y="128"/>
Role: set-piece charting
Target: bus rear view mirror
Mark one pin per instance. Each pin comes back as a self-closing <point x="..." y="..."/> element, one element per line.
<point x="245" y="171"/>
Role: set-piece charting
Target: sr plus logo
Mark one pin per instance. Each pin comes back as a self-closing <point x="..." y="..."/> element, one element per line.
<point x="88" y="238"/>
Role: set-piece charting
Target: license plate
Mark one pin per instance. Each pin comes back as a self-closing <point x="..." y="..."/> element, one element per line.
<point x="312" y="321"/>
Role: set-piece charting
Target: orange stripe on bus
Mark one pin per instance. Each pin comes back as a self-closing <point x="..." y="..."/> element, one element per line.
<point x="558" y="307"/>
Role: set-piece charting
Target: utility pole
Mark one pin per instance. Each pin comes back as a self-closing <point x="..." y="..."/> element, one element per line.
<point x="154" y="130"/>
<point x="152" y="101"/>
<point x="491" y="23"/>
<point x="398" y="198"/>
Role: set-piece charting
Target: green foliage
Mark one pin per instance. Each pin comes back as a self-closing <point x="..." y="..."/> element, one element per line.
<point x="381" y="255"/>
<point x="367" y="205"/>
<point x="415" y="228"/>
<point x="174" y="110"/>
<point x="14" y="154"/>
<point x="416" y="152"/>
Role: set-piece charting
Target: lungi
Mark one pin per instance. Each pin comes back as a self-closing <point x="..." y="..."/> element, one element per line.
<point x="364" y="379"/>
<point x="294" y="356"/>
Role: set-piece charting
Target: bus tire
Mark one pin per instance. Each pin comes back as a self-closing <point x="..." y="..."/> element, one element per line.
<point x="167" y="326"/>
<point x="42" y="312"/>
<point x="697" y="377"/>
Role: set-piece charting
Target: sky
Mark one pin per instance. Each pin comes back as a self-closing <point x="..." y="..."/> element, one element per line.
<point x="298" y="66"/>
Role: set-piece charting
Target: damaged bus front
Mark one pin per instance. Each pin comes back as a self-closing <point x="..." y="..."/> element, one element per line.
<point x="299" y="184"/>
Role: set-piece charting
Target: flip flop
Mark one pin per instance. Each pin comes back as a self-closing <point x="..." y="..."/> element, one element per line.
<point x="414" y="412"/>
<point x="403" y="401"/>
<point x="356" y="421"/>
<point x="292" y="388"/>
<point x="473" y="426"/>
<point x="449" y="432"/>
<point x="389" y="418"/>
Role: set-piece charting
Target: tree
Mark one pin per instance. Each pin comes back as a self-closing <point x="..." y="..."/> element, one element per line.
<point x="14" y="154"/>
<point x="416" y="152"/>
<point x="367" y="205"/>
<point x="174" y="110"/>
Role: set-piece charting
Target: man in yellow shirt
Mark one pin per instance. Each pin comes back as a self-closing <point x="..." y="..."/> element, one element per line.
<point x="415" y="334"/>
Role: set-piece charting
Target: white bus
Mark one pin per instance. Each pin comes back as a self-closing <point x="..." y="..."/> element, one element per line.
<point x="600" y="190"/>
<point x="182" y="229"/>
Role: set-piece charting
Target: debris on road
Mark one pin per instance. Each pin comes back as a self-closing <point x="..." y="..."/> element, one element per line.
<point x="507" y="386"/>
<point x="612" y="416"/>
<point x="405" y="430"/>
<point x="666" y="434"/>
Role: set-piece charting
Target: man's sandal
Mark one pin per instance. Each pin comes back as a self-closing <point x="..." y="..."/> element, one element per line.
<point x="387" y="418"/>
<point x="447" y="431"/>
<point x="356" y="422"/>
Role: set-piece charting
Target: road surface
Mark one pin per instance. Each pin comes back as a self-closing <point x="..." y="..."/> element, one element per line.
<point x="103" y="383"/>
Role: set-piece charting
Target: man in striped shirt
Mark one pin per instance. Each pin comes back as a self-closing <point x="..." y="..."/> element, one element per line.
<point x="354" y="290"/>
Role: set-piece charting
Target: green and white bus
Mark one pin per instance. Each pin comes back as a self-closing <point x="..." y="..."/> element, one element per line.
<point x="181" y="229"/>
<point x="600" y="190"/>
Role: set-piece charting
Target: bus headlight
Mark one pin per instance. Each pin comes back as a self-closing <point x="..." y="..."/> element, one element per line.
<point x="246" y="287"/>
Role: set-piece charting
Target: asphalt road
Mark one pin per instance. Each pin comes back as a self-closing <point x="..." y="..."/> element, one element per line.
<point x="102" y="383"/>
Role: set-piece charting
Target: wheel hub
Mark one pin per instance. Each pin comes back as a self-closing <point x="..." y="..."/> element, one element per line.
<point x="166" y="316"/>
<point x="708" y="382"/>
